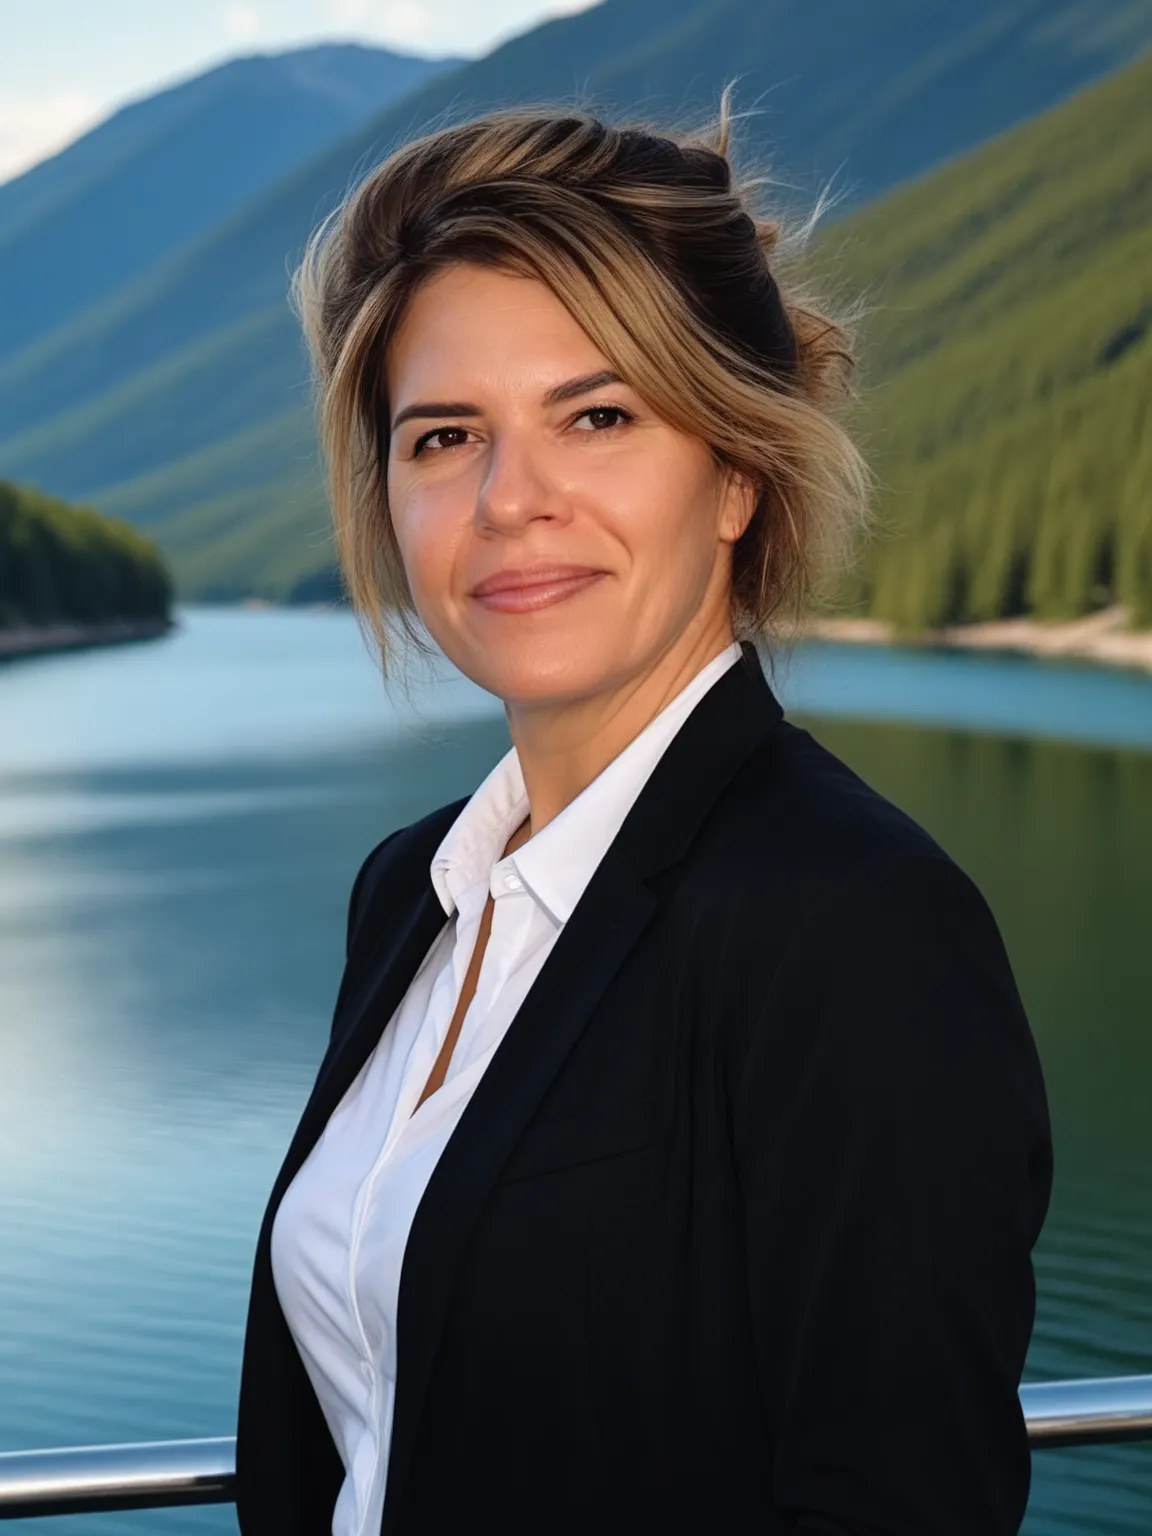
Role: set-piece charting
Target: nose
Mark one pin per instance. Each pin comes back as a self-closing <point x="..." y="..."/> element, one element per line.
<point x="516" y="487"/>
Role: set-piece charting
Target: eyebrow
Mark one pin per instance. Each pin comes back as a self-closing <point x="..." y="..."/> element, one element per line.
<point x="571" y="390"/>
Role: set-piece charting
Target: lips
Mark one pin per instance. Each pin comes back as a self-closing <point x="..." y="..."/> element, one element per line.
<point x="521" y="591"/>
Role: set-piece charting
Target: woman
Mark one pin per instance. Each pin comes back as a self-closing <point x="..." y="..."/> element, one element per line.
<point x="681" y="1144"/>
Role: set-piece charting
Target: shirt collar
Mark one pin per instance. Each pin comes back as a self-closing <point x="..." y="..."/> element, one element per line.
<point x="474" y="842"/>
<point x="556" y="864"/>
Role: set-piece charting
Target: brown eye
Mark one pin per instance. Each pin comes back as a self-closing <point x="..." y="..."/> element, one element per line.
<point x="617" y="413"/>
<point x="428" y="437"/>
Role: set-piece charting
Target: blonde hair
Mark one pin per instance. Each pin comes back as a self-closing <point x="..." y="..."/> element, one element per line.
<point x="661" y="257"/>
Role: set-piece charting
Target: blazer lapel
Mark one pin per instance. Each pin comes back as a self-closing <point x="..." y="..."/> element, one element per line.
<point x="382" y="977"/>
<point x="729" y="722"/>
<point x="400" y="945"/>
<point x="588" y="952"/>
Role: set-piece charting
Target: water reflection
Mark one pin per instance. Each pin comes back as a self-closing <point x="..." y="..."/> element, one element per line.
<point x="171" y="924"/>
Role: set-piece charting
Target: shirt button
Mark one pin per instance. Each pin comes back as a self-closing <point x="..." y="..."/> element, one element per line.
<point x="512" y="882"/>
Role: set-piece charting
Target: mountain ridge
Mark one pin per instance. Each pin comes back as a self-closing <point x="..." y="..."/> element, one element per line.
<point x="137" y="183"/>
<point x="69" y="405"/>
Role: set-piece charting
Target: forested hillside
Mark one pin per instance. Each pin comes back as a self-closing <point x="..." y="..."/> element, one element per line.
<point x="1009" y="371"/>
<point x="66" y="565"/>
<point x="181" y="403"/>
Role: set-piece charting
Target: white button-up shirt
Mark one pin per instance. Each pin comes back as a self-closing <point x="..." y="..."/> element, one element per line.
<point x="339" y="1234"/>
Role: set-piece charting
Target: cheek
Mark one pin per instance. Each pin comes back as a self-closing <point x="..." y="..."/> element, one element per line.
<point x="427" y="537"/>
<point x="669" y="514"/>
<point x="421" y="559"/>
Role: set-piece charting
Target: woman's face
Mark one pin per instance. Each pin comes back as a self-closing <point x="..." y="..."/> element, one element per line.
<point x="517" y="458"/>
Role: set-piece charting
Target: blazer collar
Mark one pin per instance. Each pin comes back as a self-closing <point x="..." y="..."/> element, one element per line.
<point x="721" y="733"/>
<point x="556" y="863"/>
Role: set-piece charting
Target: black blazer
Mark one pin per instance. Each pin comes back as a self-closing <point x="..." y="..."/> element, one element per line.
<point x="735" y="1233"/>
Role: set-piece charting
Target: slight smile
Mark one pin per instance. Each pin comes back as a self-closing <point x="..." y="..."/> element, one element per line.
<point x="525" y="591"/>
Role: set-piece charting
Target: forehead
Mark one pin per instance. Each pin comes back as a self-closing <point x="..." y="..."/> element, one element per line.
<point x="471" y="322"/>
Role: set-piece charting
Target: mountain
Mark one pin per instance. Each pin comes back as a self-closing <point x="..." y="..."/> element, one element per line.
<point x="161" y="171"/>
<point x="1008" y="390"/>
<point x="179" y="400"/>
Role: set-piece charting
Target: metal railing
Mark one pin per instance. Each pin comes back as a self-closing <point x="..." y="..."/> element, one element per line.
<point x="164" y="1473"/>
<point x="90" y="1478"/>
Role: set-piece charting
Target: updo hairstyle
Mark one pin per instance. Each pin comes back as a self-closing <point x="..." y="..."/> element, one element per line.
<point x="661" y="257"/>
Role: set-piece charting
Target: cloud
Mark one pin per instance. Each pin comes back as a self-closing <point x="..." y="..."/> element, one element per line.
<point x="34" y="127"/>
<point x="403" y="23"/>
<point x="241" y="22"/>
<point x="445" y="26"/>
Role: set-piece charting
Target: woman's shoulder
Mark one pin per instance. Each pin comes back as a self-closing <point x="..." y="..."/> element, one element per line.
<point x="801" y="859"/>
<point x="862" y="926"/>
<point x="799" y="813"/>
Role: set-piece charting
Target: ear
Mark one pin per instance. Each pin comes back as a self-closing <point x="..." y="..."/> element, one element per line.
<point x="739" y="499"/>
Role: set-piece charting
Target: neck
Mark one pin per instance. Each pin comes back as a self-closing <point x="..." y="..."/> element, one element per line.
<point x="563" y="747"/>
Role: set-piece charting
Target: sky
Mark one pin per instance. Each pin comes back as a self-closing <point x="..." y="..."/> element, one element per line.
<point x="65" y="64"/>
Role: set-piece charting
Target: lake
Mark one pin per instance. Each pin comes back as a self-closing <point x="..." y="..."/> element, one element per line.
<point x="180" y="822"/>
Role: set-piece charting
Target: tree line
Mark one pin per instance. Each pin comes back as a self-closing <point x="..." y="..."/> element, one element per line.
<point x="1006" y="400"/>
<point x="1049" y="515"/>
<point x="61" y="564"/>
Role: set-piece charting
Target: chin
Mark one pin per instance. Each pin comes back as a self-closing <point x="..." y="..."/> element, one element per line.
<point x="542" y="670"/>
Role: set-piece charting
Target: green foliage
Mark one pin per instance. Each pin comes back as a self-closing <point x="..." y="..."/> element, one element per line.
<point x="61" y="564"/>
<point x="1009" y="371"/>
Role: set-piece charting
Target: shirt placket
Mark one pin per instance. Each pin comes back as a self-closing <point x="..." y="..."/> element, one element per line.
<point x="441" y="1003"/>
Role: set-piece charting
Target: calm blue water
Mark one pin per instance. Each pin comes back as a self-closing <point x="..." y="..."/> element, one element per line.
<point x="179" y="826"/>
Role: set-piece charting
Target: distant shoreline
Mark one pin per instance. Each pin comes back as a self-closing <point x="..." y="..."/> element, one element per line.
<point x="1100" y="637"/>
<point x="73" y="637"/>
